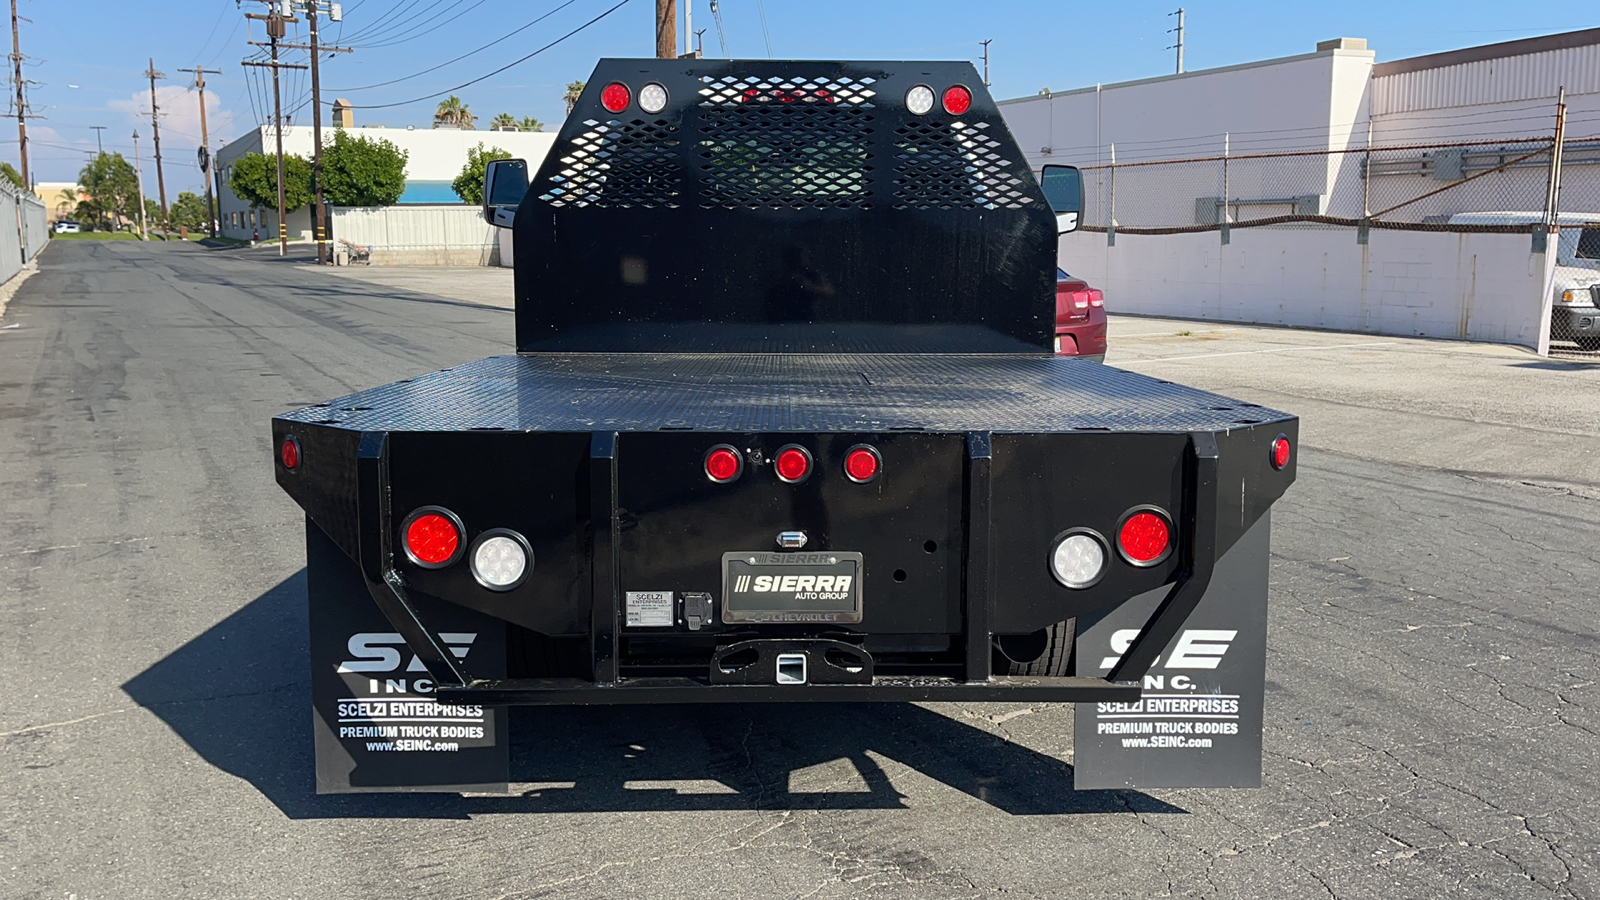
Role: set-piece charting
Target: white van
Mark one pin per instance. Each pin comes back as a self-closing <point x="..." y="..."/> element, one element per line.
<point x="1573" y="310"/>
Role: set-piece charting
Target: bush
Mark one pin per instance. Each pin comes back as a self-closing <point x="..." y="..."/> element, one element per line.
<point x="469" y="184"/>
<point x="358" y="171"/>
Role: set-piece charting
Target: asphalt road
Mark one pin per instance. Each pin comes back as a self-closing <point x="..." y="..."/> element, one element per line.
<point x="1431" y="722"/>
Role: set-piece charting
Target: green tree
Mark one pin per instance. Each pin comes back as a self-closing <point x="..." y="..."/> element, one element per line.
<point x="12" y="175"/>
<point x="503" y="122"/>
<point x="574" y="91"/>
<point x="469" y="184"/>
<point x="452" y="113"/>
<point x="255" y="181"/>
<point x="529" y="123"/>
<point x="189" y="211"/>
<point x="359" y="171"/>
<point x="112" y="189"/>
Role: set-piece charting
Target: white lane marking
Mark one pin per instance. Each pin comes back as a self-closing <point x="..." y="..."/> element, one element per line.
<point x="1135" y="362"/>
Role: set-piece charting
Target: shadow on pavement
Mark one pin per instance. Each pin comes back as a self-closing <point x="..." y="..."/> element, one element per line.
<point x="239" y="696"/>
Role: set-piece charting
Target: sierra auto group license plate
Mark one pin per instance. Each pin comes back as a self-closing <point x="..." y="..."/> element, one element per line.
<point x="798" y="588"/>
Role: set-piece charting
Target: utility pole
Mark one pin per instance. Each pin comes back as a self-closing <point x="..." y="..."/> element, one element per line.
<point x="22" y="108"/>
<point x="138" y="169"/>
<point x="319" y="212"/>
<point x="1552" y="203"/>
<point x="666" y="29"/>
<point x="205" y="144"/>
<point x="97" y="142"/>
<point x="275" y="20"/>
<point x="1179" y="45"/>
<point x="986" y="60"/>
<point x="155" y="136"/>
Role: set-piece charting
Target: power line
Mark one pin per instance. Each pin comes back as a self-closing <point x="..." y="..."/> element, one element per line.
<point x="462" y="56"/>
<point x="518" y="62"/>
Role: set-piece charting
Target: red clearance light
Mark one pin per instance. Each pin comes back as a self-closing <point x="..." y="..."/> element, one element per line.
<point x="289" y="452"/>
<point x="793" y="463"/>
<point x="432" y="537"/>
<point x="615" y="97"/>
<point x="1280" y="452"/>
<point x="862" y="464"/>
<point x="1145" y="538"/>
<point x="957" y="100"/>
<point x="723" y="464"/>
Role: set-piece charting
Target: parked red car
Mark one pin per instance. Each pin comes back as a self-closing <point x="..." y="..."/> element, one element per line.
<point x="1080" y="318"/>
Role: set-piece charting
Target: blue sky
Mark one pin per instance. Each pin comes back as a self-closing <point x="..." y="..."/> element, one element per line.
<point x="87" y="56"/>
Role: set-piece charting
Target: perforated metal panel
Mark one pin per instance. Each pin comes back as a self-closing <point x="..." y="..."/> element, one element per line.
<point x="619" y="164"/>
<point x="942" y="164"/>
<point x="797" y="156"/>
<point x="830" y="90"/>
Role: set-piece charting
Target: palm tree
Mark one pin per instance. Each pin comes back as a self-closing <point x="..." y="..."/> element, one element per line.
<point x="452" y="113"/>
<point x="503" y="122"/>
<point x="529" y="123"/>
<point x="571" y="96"/>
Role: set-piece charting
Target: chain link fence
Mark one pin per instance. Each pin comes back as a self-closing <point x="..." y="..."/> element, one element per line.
<point x="1516" y="186"/>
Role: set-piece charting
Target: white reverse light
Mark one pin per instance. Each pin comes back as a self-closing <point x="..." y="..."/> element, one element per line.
<point x="652" y="98"/>
<point x="501" y="560"/>
<point x="1078" y="559"/>
<point x="920" y="99"/>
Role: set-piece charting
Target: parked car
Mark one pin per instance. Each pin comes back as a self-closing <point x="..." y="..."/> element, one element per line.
<point x="65" y="227"/>
<point x="1080" y="318"/>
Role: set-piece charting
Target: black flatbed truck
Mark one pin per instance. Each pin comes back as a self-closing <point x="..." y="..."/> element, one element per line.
<point x="783" y="425"/>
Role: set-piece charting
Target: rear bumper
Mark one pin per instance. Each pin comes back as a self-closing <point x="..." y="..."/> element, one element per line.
<point x="1084" y="339"/>
<point x="572" y="691"/>
<point x="1196" y="543"/>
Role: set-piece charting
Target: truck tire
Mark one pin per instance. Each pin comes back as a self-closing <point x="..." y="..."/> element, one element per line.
<point x="1053" y="659"/>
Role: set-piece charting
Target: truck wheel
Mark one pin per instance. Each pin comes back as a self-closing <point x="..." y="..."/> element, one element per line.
<point x="1047" y="651"/>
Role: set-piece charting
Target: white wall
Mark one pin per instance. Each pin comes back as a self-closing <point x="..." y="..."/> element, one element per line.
<point x="1483" y="287"/>
<point x="417" y="235"/>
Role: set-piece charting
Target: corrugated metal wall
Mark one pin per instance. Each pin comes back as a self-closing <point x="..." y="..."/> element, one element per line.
<point x="419" y="235"/>
<point x="22" y="229"/>
<point x="1507" y="79"/>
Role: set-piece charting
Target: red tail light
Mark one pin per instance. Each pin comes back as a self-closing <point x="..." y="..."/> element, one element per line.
<point x="957" y="100"/>
<point x="432" y="537"/>
<point x="1096" y="298"/>
<point x="1145" y="538"/>
<point x="615" y="97"/>
<point x="862" y="464"/>
<point x="289" y="452"/>
<point x="723" y="464"/>
<point x="1280" y="452"/>
<point x="793" y="463"/>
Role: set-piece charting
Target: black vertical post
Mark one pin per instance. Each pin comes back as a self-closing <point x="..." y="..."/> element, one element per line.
<point x="978" y="576"/>
<point x="603" y="555"/>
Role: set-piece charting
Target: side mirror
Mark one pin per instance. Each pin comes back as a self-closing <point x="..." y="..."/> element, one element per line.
<point x="505" y="181"/>
<point x="1063" y="189"/>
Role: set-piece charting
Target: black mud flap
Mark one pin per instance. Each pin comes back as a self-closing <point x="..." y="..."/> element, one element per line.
<point x="377" y="726"/>
<point x="1199" y="721"/>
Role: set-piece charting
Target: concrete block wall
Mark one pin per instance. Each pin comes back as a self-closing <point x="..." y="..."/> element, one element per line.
<point x="1482" y="287"/>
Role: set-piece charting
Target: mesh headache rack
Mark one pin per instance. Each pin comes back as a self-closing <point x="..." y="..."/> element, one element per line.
<point x="689" y="193"/>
